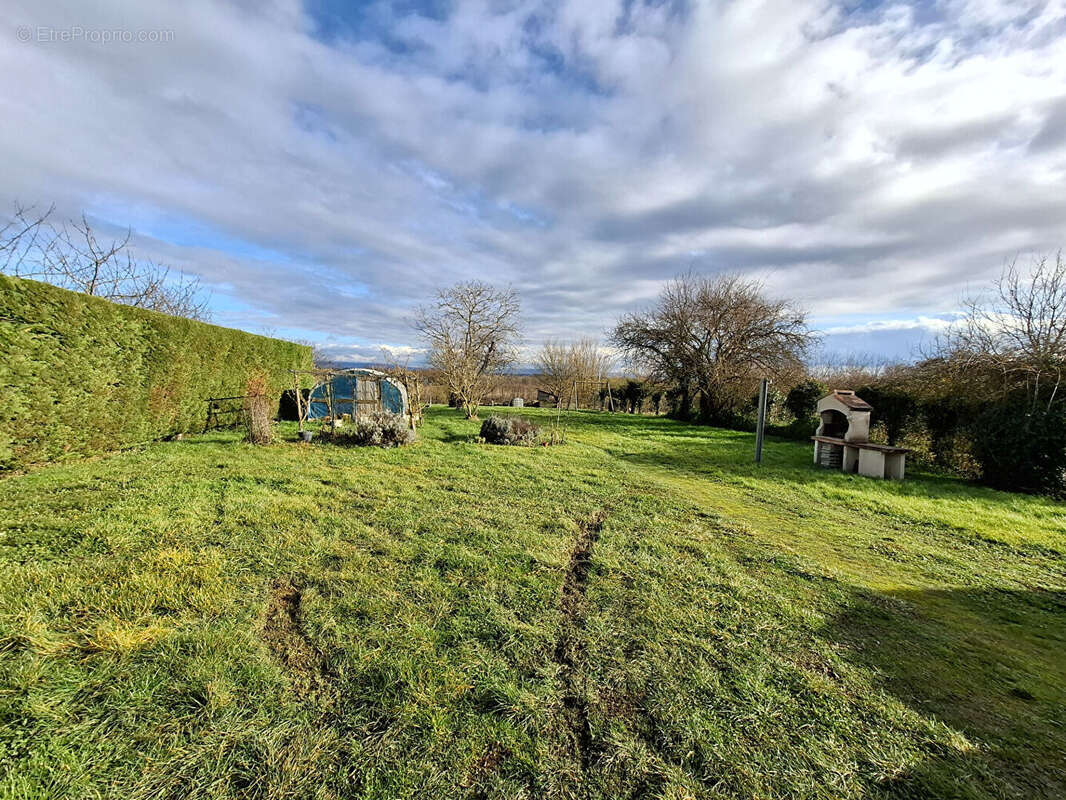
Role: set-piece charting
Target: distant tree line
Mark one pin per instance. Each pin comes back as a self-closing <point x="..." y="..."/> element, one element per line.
<point x="988" y="402"/>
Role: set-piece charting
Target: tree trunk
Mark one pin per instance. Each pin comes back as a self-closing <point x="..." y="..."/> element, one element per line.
<point x="707" y="408"/>
<point x="682" y="405"/>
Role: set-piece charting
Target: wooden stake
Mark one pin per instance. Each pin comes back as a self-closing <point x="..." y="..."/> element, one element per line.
<point x="299" y="404"/>
<point x="332" y="411"/>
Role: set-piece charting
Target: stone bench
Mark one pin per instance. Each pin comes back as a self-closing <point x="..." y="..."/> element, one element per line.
<point x="864" y="458"/>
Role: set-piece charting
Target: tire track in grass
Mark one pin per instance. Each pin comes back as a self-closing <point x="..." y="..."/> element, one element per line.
<point x="220" y="498"/>
<point x="570" y="646"/>
<point x="283" y="632"/>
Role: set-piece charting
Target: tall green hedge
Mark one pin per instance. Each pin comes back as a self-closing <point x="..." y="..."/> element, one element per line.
<point x="81" y="375"/>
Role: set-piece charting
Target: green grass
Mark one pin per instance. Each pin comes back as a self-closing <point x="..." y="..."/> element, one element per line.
<point x="641" y="612"/>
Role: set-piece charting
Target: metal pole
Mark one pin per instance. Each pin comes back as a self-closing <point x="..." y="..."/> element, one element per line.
<point x="763" y="391"/>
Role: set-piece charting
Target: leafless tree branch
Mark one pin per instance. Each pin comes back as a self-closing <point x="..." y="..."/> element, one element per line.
<point x="72" y="255"/>
<point x="1014" y="337"/>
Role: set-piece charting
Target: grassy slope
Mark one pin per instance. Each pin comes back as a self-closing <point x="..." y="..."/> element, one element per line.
<point x="745" y="631"/>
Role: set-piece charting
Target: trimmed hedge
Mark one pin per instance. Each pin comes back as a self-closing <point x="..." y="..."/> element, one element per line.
<point x="80" y="375"/>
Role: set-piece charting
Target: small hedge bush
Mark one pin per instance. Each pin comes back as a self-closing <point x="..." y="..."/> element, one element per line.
<point x="377" y="429"/>
<point x="510" y="431"/>
<point x="1019" y="449"/>
<point x="802" y="399"/>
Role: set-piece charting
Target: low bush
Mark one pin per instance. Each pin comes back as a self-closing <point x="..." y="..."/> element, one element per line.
<point x="800" y="430"/>
<point x="510" y="431"/>
<point x="377" y="429"/>
<point x="258" y="406"/>
<point x="802" y="399"/>
<point x="1020" y="449"/>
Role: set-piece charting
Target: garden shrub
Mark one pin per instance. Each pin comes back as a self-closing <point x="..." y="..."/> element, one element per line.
<point x="802" y="399"/>
<point x="632" y="396"/>
<point x="1020" y="449"/>
<point x="798" y="429"/>
<point x="916" y="438"/>
<point x="377" y="429"/>
<point x="895" y="408"/>
<point x="257" y="410"/>
<point x="80" y="375"/>
<point x="946" y="419"/>
<point x="510" y="431"/>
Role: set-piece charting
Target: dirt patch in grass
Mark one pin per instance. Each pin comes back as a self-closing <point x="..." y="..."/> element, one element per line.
<point x="573" y="600"/>
<point x="220" y="500"/>
<point x="284" y="635"/>
<point x="569" y="646"/>
<point x="484" y="766"/>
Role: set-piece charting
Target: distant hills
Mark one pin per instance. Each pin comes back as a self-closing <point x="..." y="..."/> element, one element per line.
<point x="378" y="365"/>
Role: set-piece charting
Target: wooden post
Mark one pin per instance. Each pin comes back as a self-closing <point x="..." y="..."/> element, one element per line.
<point x="299" y="404"/>
<point x="761" y="425"/>
<point x="610" y="397"/>
<point x="332" y="414"/>
<point x="411" y="396"/>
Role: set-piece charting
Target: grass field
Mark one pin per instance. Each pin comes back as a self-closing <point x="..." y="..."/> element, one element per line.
<point x="641" y="612"/>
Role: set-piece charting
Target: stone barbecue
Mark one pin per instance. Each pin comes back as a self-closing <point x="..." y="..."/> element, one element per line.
<point x="842" y="440"/>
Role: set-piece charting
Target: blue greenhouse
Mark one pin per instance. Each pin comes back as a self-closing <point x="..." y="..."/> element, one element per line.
<point x="355" y="392"/>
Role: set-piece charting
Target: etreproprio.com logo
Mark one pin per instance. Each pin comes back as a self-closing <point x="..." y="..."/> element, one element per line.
<point x="78" y="33"/>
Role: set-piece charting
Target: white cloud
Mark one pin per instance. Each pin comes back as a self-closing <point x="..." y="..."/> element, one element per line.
<point x="874" y="163"/>
<point x="928" y="324"/>
<point x="371" y="353"/>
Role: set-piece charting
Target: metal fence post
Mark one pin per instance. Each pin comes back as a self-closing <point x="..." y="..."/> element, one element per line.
<point x="763" y="392"/>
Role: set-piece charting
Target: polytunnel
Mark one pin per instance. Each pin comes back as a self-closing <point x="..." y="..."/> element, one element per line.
<point x="355" y="392"/>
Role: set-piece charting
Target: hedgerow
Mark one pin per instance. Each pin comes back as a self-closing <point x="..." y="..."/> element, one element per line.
<point x="80" y="375"/>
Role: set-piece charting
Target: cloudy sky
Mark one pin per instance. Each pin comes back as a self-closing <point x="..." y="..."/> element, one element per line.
<point x="323" y="166"/>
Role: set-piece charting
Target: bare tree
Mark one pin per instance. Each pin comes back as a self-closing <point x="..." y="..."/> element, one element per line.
<point x="713" y="338"/>
<point x="72" y="255"/>
<point x="20" y="238"/>
<point x="471" y="330"/>
<point x="591" y="365"/>
<point x="401" y="370"/>
<point x="555" y="367"/>
<point x="1014" y="337"/>
<point x="566" y="367"/>
<point x="321" y="357"/>
<point x="1003" y="367"/>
